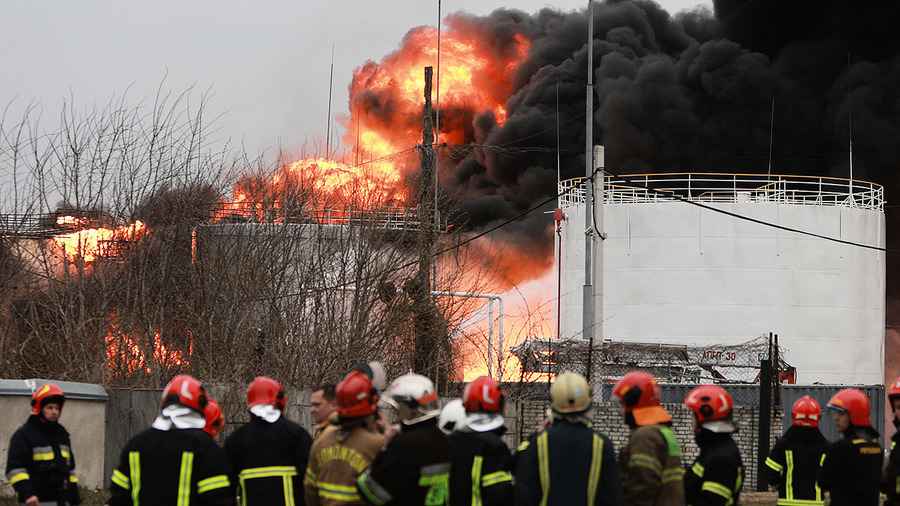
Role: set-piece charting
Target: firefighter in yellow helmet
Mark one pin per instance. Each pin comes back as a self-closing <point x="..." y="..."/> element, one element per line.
<point x="568" y="463"/>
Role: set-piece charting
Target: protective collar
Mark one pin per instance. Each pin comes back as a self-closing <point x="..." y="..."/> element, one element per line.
<point x="267" y="412"/>
<point x="179" y="417"/>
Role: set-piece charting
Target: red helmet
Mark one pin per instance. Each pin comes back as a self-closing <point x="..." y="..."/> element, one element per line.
<point x="639" y="394"/>
<point x="853" y="402"/>
<point x="215" y="420"/>
<point x="806" y="412"/>
<point x="185" y="390"/>
<point x="483" y="396"/>
<point x="710" y="403"/>
<point x="265" y="390"/>
<point x="356" y="396"/>
<point x="46" y="394"/>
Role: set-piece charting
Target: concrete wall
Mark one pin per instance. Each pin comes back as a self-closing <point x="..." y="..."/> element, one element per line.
<point x="85" y="420"/>
<point x="675" y="273"/>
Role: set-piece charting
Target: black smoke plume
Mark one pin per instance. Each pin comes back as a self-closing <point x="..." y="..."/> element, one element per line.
<point x="689" y="92"/>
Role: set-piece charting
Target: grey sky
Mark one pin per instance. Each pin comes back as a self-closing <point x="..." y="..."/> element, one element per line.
<point x="266" y="61"/>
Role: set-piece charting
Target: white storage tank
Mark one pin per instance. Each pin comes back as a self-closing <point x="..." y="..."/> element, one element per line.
<point x="672" y="272"/>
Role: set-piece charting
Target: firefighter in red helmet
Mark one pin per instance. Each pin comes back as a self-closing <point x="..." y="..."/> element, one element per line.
<point x="890" y="484"/>
<point x="851" y="467"/>
<point x="481" y="464"/>
<point x="41" y="465"/>
<point x="651" y="462"/>
<point x="717" y="475"/>
<point x="268" y="455"/>
<point x="345" y="449"/>
<point x="793" y="463"/>
<point x="215" y="420"/>
<point x="174" y="461"/>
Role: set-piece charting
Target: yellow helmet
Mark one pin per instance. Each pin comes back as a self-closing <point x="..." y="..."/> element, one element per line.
<point x="570" y="394"/>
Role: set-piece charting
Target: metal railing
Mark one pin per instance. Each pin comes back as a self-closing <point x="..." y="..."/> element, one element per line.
<point x="730" y="188"/>
<point x="390" y="219"/>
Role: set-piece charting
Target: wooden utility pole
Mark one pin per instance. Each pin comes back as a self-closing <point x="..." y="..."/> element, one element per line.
<point x="427" y="321"/>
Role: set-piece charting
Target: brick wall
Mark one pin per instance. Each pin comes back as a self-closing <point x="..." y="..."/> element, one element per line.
<point x="526" y="416"/>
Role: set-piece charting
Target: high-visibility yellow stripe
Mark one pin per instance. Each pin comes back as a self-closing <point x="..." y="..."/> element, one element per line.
<point x="310" y="475"/>
<point x="373" y="491"/>
<point x="799" y="502"/>
<point x="119" y="478"/>
<point x="212" y="483"/>
<point x="73" y="478"/>
<point x="775" y="466"/>
<point x="288" y="484"/>
<point x="476" y="480"/>
<point x="16" y="478"/>
<point x="718" y="489"/>
<point x="337" y="487"/>
<point x="645" y="461"/>
<point x="339" y="497"/>
<point x="670" y="475"/>
<point x="789" y="476"/>
<point x="523" y="446"/>
<point x="42" y="456"/>
<point x="698" y="469"/>
<point x="134" y="470"/>
<point x="184" y="480"/>
<point x="544" y="467"/>
<point x="65" y="453"/>
<point x="596" y="468"/>
<point x="496" y="478"/>
<point x="269" y="471"/>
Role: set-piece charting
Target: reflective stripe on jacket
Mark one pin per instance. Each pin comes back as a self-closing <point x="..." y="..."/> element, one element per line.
<point x="337" y="459"/>
<point x="717" y="475"/>
<point x="651" y="469"/>
<point x="568" y="463"/>
<point x="792" y="466"/>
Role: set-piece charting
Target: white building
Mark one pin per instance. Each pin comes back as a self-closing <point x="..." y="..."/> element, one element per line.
<point x="672" y="272"/>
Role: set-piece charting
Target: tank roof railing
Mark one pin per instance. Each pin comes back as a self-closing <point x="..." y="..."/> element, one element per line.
<point x="730" y="188"/>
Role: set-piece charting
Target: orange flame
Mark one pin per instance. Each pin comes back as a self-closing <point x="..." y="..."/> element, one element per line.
<point x="88" y="244"/>
<point x="124" y="354"/>
<point x="385" y="118"/>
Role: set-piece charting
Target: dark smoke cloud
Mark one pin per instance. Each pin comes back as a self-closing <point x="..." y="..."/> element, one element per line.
<point x="690" y="92"/>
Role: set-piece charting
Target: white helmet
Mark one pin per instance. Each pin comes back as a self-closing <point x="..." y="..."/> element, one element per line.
<point x="414" y="397"/>
<point x="453" y="416"/>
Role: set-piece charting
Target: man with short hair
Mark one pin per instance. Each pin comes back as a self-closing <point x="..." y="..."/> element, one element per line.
<point x="322" y="407"/>
<point x="41" y="465"/>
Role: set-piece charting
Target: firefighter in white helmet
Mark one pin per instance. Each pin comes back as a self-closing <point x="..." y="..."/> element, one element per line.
<point x="568" y="463"/>
<point x="414" y="468"/>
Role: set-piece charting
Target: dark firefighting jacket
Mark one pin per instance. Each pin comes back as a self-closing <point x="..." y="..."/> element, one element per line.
<point x="793" y="464"/>
<point x="717" y="475"/>
<point x="338" y="456"/>
<point x="851" y="468"/>
<point x="567" y="464"/>
<point x="268" y="461"/>
<point x="177" y="467"/>
<point x="41" y="463"/>
<point x="413" y="470"/>
<point x="652" y="474"/>
<point x="890" y="484"/>
<point x="481" y="469"/>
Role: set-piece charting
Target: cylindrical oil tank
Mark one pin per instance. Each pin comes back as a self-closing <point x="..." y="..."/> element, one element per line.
<point x="672" y="272"/>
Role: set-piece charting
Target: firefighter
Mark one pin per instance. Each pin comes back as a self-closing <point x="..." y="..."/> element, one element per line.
<point x="794" y="460"/>
<point x="890" y="485"/>
<point x="414" y="467"/>
<point x="717" y="475"/>
<point x="322" y="408"/>
<point x="215" y="420"/>
<point x="568" y="463"/>
<point x="481" y="465"/>
<point x="851" y="467"/>
<point x="268" y="455"/>
<point x="41" y="465"/>
<point x="651" y="462"/>
<point x="345" y="449"/>
<point x="174" y="462"/>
